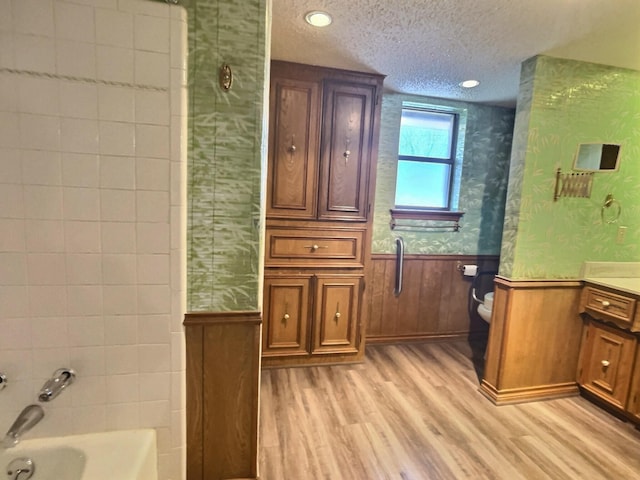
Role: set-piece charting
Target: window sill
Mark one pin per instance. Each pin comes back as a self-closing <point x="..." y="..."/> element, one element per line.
<point x="440" y="216"/>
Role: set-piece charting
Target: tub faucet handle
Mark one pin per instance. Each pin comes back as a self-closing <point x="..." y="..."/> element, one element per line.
<point x="59" y="381"/>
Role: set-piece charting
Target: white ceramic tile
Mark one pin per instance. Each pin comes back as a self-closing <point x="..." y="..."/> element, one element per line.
<point x="121" y="330"/>
<point x="178" y="391"/>
<point x="12" y="203"/>
<point x="13" y="270"/>
<point x="154" y="329"/>
<point x="91" y="390"/>
<point x="117" y="138"/>
<point x="41" y="167"/>
<point x="152" y="174"/>
<point x="84" y="268"/>
<point x="121" y="359"/>
<point x="13" y="238"/>
<point x="33" y="16"/>
<point x="114" y="64"/>
<point x="119" y="269"/>
<point x="34" y="53"/>
<point x="89" y="419"/>
<point x="179" y="45"/>
<point x="9" y="130"/>
<point x="48" y="360"/>
<point x="153" y="269"/>
<point x="9" y="91"/>
<point x="17" y="364"/>
<point x="42" y="202"/>
<point x="80" y="170"/>
<point x="46" y="268"/>
<point x="6" y="20"/>
<point x="84" y="300"/>
<point x="85" y="331"/>
<point x="114" y="28"/>
<point x="152" y="206"/>
<point x="154" y="299"/>
<point x="116" y="103"/>
<point x="16" y="334"/>
<point x="118" y="237"/>
<point x="117" y="172"/>
<point x="120" y="300"/>
<point x="48" y="332"/>
<point x="75" y="58"/>
<point x="152" y="141"/>
<point x="152" y="107"/>
<point x="74" y="22"/>
<point x="151" y="69"/>
<point x="88" y="361"/>
<point x="151" y="33"/>
<point x="123" y="388"/>
<point x="13" y="301"/>
<point x="156" y="9"/>
<point x="78" y="99"/>
<point x="109" y="4"/>
<point x="58" y="421"/>
<point x="123" y="416"/>
<point x="39" y="95"/>
<point x="178" y="352"/>
<point x="47" y="300"/>
<point x="10" y="165"/>
<point x="79" y="135"/>
<point x="155" y="386"/>
<point x="39" y="132"/>
<point x="82" y="237"/>
<point x="155" y="414"/>
<point x="44" y="236"/>
<point x="118" y="205"/>
<point x="152" y="238"/>
<point x="81" y="203"/>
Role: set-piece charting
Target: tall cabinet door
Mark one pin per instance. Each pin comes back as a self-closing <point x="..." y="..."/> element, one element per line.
<point x="346" y="151"/>
<point x="336" y="313"/>
<point x="286" y="312"/>
<point x="293" y="148"/>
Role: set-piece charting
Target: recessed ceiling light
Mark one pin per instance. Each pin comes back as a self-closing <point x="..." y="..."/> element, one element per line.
<point x="469" y="83"/>
<point x="318" y="19"/>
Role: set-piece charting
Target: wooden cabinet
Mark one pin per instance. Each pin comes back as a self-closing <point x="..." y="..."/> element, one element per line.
<point x="633" y="404"/>
<point x="323" y="130"/>
<point x="607" y="363"/>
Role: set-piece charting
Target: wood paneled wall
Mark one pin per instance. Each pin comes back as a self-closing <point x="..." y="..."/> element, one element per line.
<point x="434" y="302"/>
<point x="534" y="341"/>
<point x="223" y="385"/>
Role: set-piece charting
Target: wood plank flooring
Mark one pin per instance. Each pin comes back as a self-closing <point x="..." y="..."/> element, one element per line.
<point x="414" y="412"/>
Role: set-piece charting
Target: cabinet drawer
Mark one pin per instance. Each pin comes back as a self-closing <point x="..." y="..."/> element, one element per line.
<point x="610" y="305"/>
<point x="286" y="247"/>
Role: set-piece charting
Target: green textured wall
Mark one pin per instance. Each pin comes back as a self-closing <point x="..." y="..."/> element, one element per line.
<point x="225" y="153"/>
<point x="563" y="103"/>
<point x="483" y="182"/>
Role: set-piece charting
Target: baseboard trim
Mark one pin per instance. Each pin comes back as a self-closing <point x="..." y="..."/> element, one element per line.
<point x="528" y="394"/>
<point x="427" y="337"/>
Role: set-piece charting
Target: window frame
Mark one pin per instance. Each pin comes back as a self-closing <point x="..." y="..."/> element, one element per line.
<point x="451" y="161"/>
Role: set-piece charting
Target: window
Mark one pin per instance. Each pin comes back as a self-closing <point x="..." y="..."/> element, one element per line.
<point x="426" y="158"/>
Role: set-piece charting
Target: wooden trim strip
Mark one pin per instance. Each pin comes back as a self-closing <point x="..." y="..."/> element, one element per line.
<point x="220" y="318"/>
<point x="408" y="338"/>
<point x="528" y="394"/>
<point x="428" y="256"/>
<point x="538" y="283"/>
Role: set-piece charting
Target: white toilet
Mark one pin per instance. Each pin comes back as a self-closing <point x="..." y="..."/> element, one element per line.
<point x="484" y="308"/>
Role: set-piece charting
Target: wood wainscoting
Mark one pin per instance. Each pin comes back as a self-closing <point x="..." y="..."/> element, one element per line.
<point x="223" y="385"/>
<point x="434" y="302"/>
<point x="534" y="341"/>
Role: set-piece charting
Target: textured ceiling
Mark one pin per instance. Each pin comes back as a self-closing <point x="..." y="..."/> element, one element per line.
<point x="427" y="47"/>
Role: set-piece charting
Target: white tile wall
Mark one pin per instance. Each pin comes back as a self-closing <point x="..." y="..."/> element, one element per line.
<point x="92" y="215"/>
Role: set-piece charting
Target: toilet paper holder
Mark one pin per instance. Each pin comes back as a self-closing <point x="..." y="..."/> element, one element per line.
<point x="467" y="270"/>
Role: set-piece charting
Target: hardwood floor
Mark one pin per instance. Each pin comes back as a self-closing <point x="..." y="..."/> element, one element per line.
<point x="414" y="412"/>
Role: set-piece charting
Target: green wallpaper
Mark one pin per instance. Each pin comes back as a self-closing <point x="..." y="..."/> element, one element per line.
<point x="225" y="153"/>
<point x="484" y="151"/>
<point x="564" y="103"/>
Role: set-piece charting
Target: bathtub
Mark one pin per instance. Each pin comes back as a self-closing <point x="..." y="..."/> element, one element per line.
<point x="117" y="455"/>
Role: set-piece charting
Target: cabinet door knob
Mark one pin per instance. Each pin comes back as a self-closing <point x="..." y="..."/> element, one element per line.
<point x="605" y="304"/>
<point x="337" y="314"/>
<point x="286" y="316"/>
<point x="605" y="363"/>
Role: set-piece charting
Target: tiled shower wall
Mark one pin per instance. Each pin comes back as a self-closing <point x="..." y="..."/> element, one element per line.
<point x="92" y="215"/>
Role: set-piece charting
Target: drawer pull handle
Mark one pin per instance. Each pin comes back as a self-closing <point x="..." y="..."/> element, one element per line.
<point x="605" y="363"/>
<point x="605" y="304"/>
<point x="315" y="247"/>
<point x="286" y="316"/>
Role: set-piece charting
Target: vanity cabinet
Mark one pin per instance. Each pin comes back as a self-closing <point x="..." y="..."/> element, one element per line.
<point x="323" y="135"/>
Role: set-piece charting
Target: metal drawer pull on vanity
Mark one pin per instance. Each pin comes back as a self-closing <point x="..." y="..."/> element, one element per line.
<point x="605" y="304"/>
<point x="605" y="363"/>
<point x="315" y="247"/>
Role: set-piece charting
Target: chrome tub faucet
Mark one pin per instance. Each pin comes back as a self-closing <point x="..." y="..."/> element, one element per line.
<point x="61" y="378"/>
<point x="27" y="419"/>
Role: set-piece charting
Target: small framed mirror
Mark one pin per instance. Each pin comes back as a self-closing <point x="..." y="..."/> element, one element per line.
<point x="597" y="157"/>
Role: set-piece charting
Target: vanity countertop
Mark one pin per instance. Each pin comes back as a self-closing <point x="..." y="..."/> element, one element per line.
<point x="624" y="284"/>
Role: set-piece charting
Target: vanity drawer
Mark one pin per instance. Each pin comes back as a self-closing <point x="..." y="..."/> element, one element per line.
<point x="302" y="247"/>
<point x="610" y="305"/>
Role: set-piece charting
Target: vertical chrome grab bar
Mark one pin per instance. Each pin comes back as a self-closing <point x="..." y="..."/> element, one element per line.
<point x="399" y="265"/>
